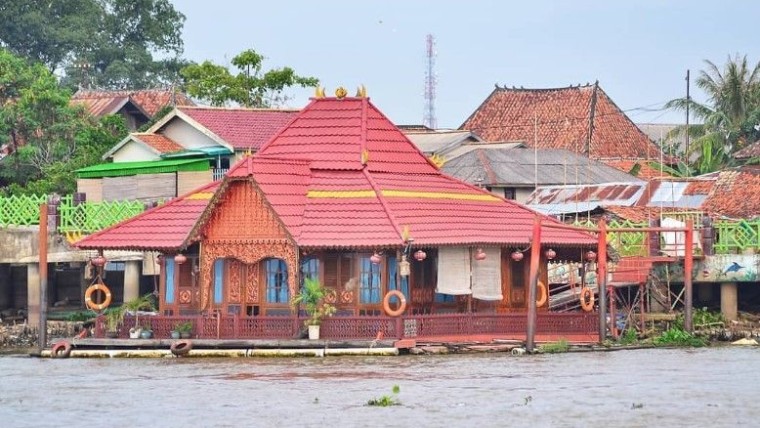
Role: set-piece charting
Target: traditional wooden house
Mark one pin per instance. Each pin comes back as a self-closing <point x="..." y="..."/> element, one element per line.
<point x="339" y="194"/>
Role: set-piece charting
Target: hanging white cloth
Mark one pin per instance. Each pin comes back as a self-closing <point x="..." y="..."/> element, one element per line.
<point x="674" y="244"/>
<point x="453" y="271"/>
<point x="486" y="275"/>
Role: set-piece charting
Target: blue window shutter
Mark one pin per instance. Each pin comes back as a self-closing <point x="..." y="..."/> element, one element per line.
<point x="169" y="276"/>
<point x="218" y="280"/>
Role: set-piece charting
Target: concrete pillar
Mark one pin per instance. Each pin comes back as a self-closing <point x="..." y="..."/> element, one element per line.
<point x="33" y="293"/>
<point x="132" y="280"/>
<point x="729" y="302"/>
<point x="704" y="292"/>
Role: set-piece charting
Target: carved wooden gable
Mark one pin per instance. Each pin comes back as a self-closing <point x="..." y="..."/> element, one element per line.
<point x="244" y="215"/>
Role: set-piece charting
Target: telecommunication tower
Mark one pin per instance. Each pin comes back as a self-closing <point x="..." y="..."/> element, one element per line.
<point x="429" y="119"/>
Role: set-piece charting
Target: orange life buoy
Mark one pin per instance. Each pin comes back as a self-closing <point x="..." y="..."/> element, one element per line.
<point x="543" y="294"/>
<point x="387" y="303"/>
<point x="587" y="299"/>
<point x="181" y="347"/>
<point x="61" y="349"/>
<point x="88" y="297"/>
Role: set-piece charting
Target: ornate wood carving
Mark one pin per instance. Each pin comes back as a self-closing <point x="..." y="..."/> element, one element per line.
<point x="250" y="253"/>
<point x="244" y="227"/>
<point x="233" y="291"/>
<point x="252" y="284"/>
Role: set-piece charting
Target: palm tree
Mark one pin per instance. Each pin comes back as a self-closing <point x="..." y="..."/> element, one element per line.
<point x="731" y="116"/>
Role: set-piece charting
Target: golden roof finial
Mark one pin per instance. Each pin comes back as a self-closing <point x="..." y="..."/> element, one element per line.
<point x="319" y="92"/>
<point x="405" y="233"/>
<point x="361" y="92"/>
<point x="341" y="92"/>
<point x="365" y="156"/>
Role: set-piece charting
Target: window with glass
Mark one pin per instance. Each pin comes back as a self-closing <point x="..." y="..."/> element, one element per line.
<point x="276" y="273"/>
<point x="370" y="285"/>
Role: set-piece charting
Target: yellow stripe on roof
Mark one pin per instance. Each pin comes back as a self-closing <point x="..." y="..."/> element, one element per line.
<point x="201" y="195"/>
<point x="355" y="194"/>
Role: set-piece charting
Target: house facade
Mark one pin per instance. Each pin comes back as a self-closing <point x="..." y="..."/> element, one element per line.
<point x="339" y="195"/>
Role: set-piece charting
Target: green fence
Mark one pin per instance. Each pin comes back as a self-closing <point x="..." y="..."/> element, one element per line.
<point x="23" y="210"/>
<point x="86" y="217"/>
<point x="90" y="217"/>
<point x="736" y="237"/>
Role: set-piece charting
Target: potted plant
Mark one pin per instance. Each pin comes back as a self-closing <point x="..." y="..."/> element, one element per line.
<point x="134" y="306"/>
<point x="146" y="332"/>
<point x="312" y="296"/>
<point x="114" y="319"/>
<point x="183" y="329"/>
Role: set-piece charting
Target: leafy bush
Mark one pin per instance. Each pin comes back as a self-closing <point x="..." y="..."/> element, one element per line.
<point x="629" y="337"/>
<point x="678" y="337"/>
<point x="554" y="347"/>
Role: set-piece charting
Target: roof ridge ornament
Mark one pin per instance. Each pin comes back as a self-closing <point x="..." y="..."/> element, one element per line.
<point x="361" y="92"/>
<point x="341" y="92"/>
<point x="319" y="92"/>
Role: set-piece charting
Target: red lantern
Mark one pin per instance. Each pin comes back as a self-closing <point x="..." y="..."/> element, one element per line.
<point x="180" y="258"/>
<point x="590" y="256"/>
<point x="99" y="261"/>
<point x="420" y="255"/>
<point x="480" y="254"/>
<point x="550" y="254"/>
<point x="517" y="256"/>
<point x="375" y="259"/>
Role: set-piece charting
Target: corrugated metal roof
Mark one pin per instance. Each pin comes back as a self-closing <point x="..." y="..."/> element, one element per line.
<point x="582" y="198"/>
<point x="121" y="169"/>
<point x="441" y="141"/>
<point x="491" y="166"/>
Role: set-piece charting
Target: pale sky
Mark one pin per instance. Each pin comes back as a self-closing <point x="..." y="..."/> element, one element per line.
<point x="638" y="50"/>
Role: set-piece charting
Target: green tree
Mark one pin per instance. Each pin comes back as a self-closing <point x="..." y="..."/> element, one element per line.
<point x="106" y="44"/>
<point x="730" y="118"/>
<point x="47" y="137"/>
<point x="250" y="87"/>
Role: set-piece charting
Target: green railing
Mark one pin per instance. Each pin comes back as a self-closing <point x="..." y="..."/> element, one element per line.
<point x="625" y="243"/>
<point x="736" y="237"/>
<point x="90" y="217"/>
<point x="23" y="210"/>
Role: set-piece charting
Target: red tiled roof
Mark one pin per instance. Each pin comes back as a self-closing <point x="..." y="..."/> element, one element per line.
<point x="751" y="151"/>
<point x="736" y="194"/>
<point x="241" y="128"/>
<point x="328" y="194"/>
<point x="639" y="214"/>
<point x="150" y="101"/>
<point x="336" y="134"/>
<point x="563" y="116"/>
<point x="159" y="142"/>
<point x="166" y="227"/>
<point x="644" y="170"/>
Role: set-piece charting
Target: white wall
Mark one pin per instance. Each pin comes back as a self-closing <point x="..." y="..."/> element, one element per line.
<point x="135" y="152"/>
<point x="187" y="136"/>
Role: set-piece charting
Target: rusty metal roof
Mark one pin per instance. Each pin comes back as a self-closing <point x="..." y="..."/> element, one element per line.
<point x="581" y="198"/>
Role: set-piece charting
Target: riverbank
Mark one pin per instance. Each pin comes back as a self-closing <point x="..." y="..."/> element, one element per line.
<point x="22" y="339"/>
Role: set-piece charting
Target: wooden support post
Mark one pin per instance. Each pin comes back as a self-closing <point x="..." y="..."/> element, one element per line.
<point x="42" y="341"/>
<point x="535" y="256"/>
<point x="688" y="262"/>
<point x="601" y="278"/>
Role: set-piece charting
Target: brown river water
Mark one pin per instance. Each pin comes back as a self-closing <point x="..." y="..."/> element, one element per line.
<point x="715" y="387"/>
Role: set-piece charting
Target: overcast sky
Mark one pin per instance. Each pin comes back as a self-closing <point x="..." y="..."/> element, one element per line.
<point x="638" y="50"/>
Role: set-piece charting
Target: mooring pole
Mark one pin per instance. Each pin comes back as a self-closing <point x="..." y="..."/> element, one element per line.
<point x="42" y="337"/>
<point x="601" y="279"/>
<point x="688" y="262"/>
<point x="535" y="256"/>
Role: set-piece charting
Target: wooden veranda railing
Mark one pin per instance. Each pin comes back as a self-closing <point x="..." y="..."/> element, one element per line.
<point x="363" y="328"/>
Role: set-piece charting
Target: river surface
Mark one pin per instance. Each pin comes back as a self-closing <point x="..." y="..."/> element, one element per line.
<point x="715" y="387"/>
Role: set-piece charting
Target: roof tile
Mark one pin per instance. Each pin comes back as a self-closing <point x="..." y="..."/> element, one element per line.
<point x="563" y="116"/>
